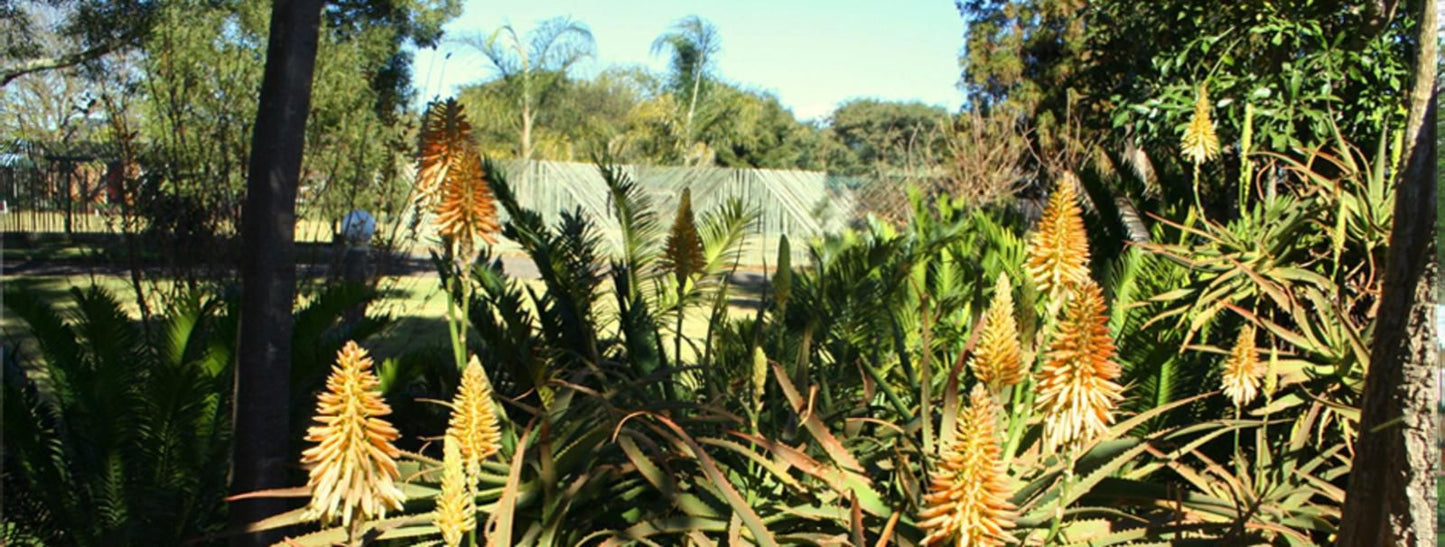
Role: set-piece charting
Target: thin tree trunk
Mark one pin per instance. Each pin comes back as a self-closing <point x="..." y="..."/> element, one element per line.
<point x="692" y="105"/>
<point x="1391" y="493"/>
<point x="262" y="454"/>
<point x="526" y="130"/>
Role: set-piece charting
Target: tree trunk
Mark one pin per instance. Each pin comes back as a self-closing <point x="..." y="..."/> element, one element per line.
<point x="262" y="456"/>
<point x="526" y="130"/>
<point x="692" y="104"/>
<point x="1391" y="495"/>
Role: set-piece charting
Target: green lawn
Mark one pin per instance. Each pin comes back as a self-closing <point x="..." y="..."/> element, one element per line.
<point x="415" y="302"/>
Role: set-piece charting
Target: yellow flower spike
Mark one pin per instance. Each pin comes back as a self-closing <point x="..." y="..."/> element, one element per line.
<point x="683" y="254"/>
<point x="760" y="377"/>
<point x="998" y="361"/>
<point x="967" y="500"/>
<point x="353" y="465"/>
<point x="474" y="419"/>
<point x="1077" y="392"/>
<point x="1199" y="143"/>
<point x="1058" y="252"/>
<point x="455" y="509"/>
<point x="1242" y="370"/>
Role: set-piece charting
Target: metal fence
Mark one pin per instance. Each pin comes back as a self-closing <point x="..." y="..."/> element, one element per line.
<point x="799" y="204"/>
<point x="56" y="188"/>
<point x="40" y="196"/>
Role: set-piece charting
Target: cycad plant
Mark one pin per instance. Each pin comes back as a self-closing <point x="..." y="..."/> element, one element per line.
<point x="115" y="438"/>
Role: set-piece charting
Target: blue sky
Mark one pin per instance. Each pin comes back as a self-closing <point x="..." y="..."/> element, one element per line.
<point x="813" y="54"/>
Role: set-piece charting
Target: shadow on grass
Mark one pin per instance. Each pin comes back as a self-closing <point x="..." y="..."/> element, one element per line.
<point x="59" y="254"/>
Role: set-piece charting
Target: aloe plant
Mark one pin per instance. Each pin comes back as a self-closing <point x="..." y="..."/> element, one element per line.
<point x="829" y="413"/>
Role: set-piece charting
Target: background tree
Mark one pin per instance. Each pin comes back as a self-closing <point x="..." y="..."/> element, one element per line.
<point x="742" y="128"/>
<point x="579" y="117"/>
<point x="874" y="133"/>
<point x="693" y="43"/>
<point x="48" y="106"/>
<point x="1019" y="54"/>
<point x="1094" y="76"/>
<point x="94" y="28"/>
<point x="535" y="68"/>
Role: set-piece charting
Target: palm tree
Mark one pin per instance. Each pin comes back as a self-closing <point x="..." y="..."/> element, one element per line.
<point x="535" y="67"/>
<point x="694" y="43"/>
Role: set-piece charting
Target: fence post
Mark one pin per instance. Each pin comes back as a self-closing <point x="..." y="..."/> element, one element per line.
<point x="69" y="201"/>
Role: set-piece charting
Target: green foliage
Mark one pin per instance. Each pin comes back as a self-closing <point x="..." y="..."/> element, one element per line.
<point x="821" y="415"/>
<point x="1301" y="65"/>
<point x="1130" y="73"/>
<point x="117" y="439"/>
<point x="872" y="134"/>
<point x="121" y="436"/>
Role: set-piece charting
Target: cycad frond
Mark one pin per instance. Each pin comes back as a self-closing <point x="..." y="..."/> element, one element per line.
<point x="968" y="499"/>
<point x="632" y="208"/>
<point x="1058" y="252"/>
<point x="1077" y="389"/>
<point x="724" y="234"/>
<point x="353" y="465"/>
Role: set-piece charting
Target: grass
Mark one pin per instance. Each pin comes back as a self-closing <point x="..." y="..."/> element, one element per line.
<point x="48" y="250"/>
<point x="40" y="236"/>
<point x="416" y="303"/>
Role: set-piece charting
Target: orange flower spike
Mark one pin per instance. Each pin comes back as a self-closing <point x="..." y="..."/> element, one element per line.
<point x="451" y="181"/>
<point x="1058" y="251"/>
<point x="968" y="497"/>
<point x="1077" y="392"/>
